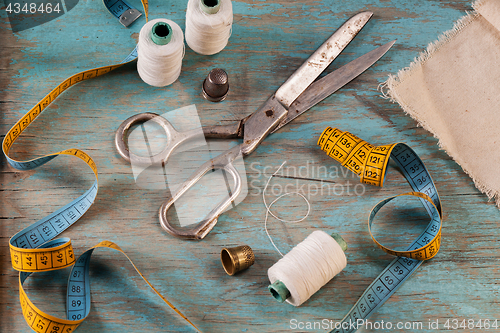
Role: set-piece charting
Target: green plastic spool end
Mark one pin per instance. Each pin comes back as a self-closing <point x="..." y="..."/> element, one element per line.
<point x="280" y="291"/>
<point x="161" y="33"/>
<point x="210" y="6"/>
<point x="339" y="240"/>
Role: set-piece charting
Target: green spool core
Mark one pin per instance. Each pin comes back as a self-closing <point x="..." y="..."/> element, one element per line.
<point x="339" y="240"/>
<point x="278" y="289"/>
<point x="210" y="6"/>
<point x="161" y="33"/>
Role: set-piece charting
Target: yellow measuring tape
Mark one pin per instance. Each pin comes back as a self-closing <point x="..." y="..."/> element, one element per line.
<point x="370" y="163"/>
<point x="34" y="248"/>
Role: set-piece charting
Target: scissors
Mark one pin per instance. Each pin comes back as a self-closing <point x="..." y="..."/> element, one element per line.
<point x="297" y="95"/>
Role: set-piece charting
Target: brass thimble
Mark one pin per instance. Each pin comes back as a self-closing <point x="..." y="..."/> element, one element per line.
<point x="236" y="259"/>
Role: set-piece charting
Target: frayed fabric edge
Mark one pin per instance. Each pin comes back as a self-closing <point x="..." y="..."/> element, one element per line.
<point x="442" y="40"/>
<point x="387" y="90"/>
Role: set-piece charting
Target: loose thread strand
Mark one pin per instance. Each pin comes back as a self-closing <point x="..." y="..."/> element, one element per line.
<point x="268" y="207"/>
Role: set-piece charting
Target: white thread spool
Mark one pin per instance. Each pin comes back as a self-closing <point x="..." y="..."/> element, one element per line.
<point x="160" y="52"/>
<point x="208" y="25"/>
<point x="307" y="267"/>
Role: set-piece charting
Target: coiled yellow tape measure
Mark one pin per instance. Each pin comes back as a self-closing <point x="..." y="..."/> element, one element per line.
<point x="370" y="163"/>
<point x="34" y="249"/>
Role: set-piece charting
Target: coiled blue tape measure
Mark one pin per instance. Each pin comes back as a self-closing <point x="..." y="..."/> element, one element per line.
<point x="34" y="249"/>
<point x="370" y="163"/>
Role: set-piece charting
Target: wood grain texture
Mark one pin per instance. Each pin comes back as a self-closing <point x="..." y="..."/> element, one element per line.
<point x="270" y="39"/>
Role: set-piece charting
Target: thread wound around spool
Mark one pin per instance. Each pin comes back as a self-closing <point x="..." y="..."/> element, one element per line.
<point x="279" y="290"/>
<point x="208" y="25"/>
<point x="160" y="65"/>
<point x="308" y="266"/>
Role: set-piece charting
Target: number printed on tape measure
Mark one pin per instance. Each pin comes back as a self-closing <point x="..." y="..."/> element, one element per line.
<point x="118" y="7"/>
<point x="33" y="8"/>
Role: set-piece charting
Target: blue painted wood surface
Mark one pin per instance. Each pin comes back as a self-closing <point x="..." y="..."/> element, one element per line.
<point x="270" y="39"/>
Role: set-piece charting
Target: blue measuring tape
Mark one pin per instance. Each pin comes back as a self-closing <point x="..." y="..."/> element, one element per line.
<point x="370" y="163"/>
<point x="34" y="249"/>
<point x="124" y="12"/>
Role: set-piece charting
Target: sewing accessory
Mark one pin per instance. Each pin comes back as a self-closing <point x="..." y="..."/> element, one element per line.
<point x="236" y="259"/>
<point x="307" y="267"/>
<point x="208" y="25"/>
<point x="268" y="207"/>
<point x="297" y="95"/>
<point x="216" y="85"/>
<point x="34" y="248"/>
<point x="124" y="12"/>
<point x="293" y="268"/>
<point x="161" y="33"/>
<point x="160" y="52"/>
<point x="370" y="163"/>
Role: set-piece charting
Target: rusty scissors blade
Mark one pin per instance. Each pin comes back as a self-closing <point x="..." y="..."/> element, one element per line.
<point x="297" y="95"/>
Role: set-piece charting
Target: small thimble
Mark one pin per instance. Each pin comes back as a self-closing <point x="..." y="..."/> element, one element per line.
<point x="236" y="259"/>
<point x="216" y="85"/>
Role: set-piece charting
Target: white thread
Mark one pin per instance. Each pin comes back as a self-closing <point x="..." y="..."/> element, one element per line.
<point x="308" y="266"/>
<point x="268" y="208"/>
<point x="208" y="33"/>
<point x="160" y="65"/>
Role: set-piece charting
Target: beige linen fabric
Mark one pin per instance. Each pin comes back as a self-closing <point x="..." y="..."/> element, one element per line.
<point x="453" y="91"/>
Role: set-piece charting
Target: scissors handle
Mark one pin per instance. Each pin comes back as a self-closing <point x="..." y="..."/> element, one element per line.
<point x="223" y="161"/>
<point x="174" y="137"/>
